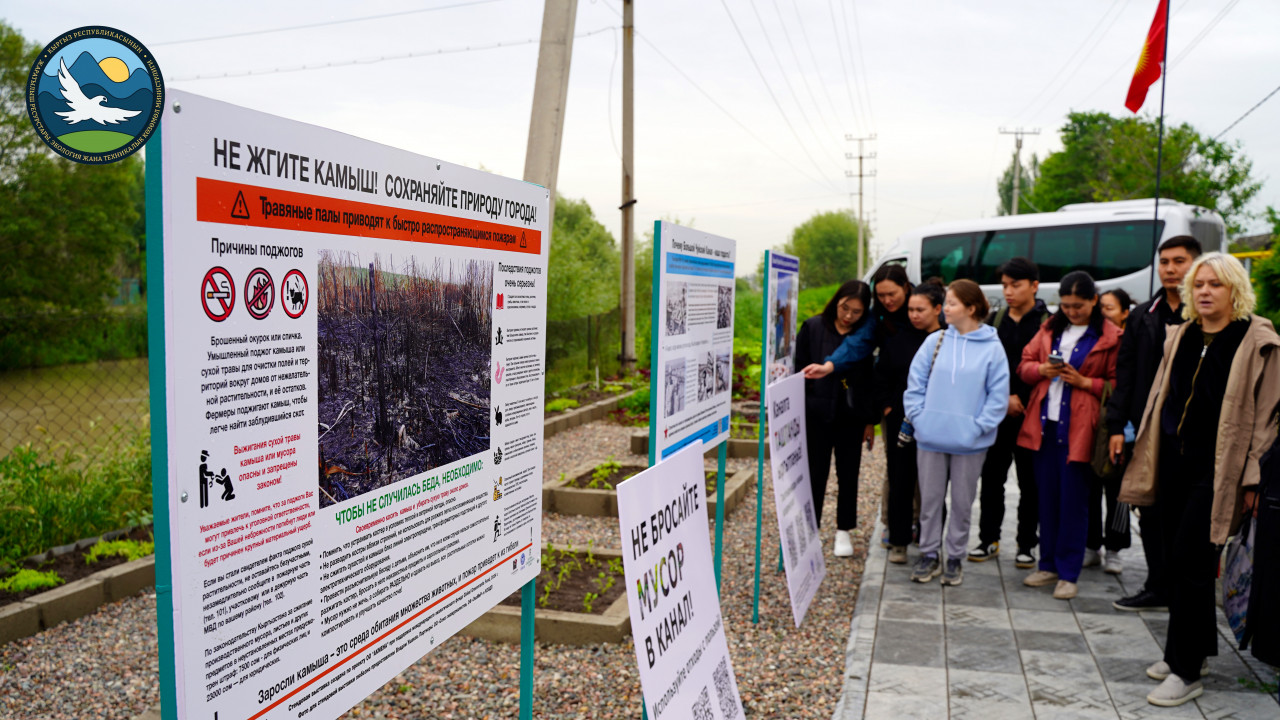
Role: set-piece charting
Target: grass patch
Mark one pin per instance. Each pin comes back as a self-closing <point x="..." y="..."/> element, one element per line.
<point x="561" y="404"/>
<point x="50" y="497"/>
<point x="130" y="549"/>
<point x="26" y="580"/>
<point x="95" y="141"/>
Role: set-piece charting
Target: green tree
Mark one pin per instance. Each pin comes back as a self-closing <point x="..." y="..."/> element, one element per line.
<point x="1266" y="273"/>
<point x="1026" y="183"/>
<point x="583" y="271"/>
<point x="827" y="245"/>
<point x="66" y="231"/>
<point x="1105" y="158"/>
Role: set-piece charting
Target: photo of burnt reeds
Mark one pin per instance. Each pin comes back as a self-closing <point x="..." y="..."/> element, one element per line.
<point x="404" y="357"/>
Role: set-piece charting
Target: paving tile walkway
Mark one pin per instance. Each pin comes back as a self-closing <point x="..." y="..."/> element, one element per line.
<point x="994" y="649"/>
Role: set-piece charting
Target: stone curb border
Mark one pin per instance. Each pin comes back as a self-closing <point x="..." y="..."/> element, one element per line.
<point x="75" y="599"/>
<point x="558" y="497"/>
<point x="581" y="416"/>
<point x="502" y="623"/>
<point x="737" y="448"/>
<point x="862" y="633"/>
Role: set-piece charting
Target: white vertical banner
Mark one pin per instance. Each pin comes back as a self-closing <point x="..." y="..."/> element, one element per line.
<point x="792" y="493"/>
<point x="354" y="345"/>
<point x="681" y="650"/>
<point x="692" y="358"/>
<point x="783" y="278"/>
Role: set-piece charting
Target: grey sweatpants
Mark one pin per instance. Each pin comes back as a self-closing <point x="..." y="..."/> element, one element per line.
<point x="935" y="469"/>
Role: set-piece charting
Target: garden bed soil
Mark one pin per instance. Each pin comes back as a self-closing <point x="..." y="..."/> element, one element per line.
<point x="72" y="566"/>
<point x="568" y="597"/>
<point x="624" y="473"/>
<point x="585" y="396"/>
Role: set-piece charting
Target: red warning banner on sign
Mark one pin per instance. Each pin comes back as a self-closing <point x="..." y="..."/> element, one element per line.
<point x="231" y="203"/>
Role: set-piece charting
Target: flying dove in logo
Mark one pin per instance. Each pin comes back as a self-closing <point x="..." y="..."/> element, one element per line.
<point x="84" y="108"/>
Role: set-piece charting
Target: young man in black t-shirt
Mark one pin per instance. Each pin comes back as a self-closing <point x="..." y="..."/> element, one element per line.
<point x="1016" y="323"/>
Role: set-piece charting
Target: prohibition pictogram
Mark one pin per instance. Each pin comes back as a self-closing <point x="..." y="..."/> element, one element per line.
<point x="259" y="294"/>
<point x="294" y="294"/>
<point x="218" y="294"/>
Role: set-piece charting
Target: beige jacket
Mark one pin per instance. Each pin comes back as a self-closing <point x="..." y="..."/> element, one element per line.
<point x="1246" y="427"/>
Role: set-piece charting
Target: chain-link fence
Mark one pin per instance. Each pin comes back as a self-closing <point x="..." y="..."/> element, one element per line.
<point x="73" y="383"/>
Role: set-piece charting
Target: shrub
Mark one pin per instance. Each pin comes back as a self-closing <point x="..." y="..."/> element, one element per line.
<point x="637" y="402"/>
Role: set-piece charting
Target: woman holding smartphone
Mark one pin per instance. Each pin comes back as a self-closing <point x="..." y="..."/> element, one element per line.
<point x="1068" y="361"/>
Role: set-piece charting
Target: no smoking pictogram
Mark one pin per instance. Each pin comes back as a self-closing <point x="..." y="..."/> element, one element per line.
<point x="218" y="294"/>
<point x="293" y="294"/>
<point x="259" y="294"/>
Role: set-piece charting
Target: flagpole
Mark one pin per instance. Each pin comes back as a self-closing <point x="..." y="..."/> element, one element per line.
<point x="1155" y="223"/>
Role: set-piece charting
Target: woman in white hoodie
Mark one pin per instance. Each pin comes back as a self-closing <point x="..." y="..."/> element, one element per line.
<point x="957" y="394"/>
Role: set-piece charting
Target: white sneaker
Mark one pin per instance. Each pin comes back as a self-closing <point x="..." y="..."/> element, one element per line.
<point x="844" y="544"/>
<point x="1112" y="564"/>
<point x="1159" y="670"/>
<point x="1173" y="692"/>
<point x="1091" y="558"/>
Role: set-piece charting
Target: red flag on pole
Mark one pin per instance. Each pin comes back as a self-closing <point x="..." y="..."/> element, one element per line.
<point x="1151" y="60"/>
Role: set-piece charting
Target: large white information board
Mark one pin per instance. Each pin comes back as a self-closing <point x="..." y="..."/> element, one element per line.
<point x="681" y="650"/>
<point x="782" y="283"/>
<point x="792" y="493"/>
<point x="692" y="359"/>
<point x="354" y="343"/>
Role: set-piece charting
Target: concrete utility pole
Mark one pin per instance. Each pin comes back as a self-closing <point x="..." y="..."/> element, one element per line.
<point x="862" y="261"/>
<point x="1017" y="161"/>
<point x="628" y="300"/>
<point x="550" y="93"/>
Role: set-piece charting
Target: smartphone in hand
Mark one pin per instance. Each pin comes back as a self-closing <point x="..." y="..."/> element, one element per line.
<point x="1055" y="358"/>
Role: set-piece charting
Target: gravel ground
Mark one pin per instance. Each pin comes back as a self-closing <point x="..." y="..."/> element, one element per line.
<point x="104" y="665"/>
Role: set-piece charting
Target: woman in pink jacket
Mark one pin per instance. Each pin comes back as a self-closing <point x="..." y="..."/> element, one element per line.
<point x="1067" y="363"/>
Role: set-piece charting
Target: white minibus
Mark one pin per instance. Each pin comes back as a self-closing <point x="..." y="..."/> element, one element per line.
<point x="1109" y="240"/>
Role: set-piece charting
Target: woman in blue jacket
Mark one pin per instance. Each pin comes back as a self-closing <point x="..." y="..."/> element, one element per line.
<point x="957" y="394"/>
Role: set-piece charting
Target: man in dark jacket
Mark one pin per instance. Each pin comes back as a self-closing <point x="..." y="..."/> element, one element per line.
<point x="1141" y="349"/>
<point x="1016" y="324"/>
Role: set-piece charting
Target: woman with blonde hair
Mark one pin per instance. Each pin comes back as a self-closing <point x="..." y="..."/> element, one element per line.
<point x="1208" y="420"/>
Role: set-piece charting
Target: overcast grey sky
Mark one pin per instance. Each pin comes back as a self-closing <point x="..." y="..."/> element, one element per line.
<point x="934" y="80"/>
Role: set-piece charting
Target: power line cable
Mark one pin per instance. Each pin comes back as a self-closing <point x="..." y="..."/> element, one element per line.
<point x="817" y="67"/>
<point x="844" y="65"/>
<point x="326" y="23"/>
<point x="785" y="79"/>
<point x="804" y="77"/>
<point x="379" y="59"/>
<point x="679" y="70"/>
<point x="1129" y="63"/>
<point x="1247" y="112"/>
<point x="769" y="89"/>
<point x="1204" y="32"/>
<point x="866" y="87"/>
<point x="1068" y="63"/>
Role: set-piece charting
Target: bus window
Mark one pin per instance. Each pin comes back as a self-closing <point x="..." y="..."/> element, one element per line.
<point x="1058" y="251"/>
<point x="1209" y="234"/>
<point x="1123" y="248"/>
<point x="946" y="256"/>
<point x="997" y="248"/>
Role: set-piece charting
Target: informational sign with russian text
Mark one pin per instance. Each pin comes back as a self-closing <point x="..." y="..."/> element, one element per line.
<point x="681" y="650"/>
<point x="792" y="493"/>
<point x="354" y="344"/>
<point x="783" y="293"/>
<point x="692" y="359"/>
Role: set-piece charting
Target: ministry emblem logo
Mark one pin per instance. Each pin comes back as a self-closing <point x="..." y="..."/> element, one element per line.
<point x="95" y="95"/>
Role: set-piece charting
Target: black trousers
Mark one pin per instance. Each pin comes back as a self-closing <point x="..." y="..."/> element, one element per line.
<point x="995" y="470"/>
<point x="1100" y="534"/>
<point x="1185" y="496"/>
<point x="901" y="466"/>
<point x="844" y="436"/>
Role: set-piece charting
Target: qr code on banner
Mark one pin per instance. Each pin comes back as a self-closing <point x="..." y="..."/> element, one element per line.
<point x="702" y="708"/>
<point x="724" y="690"/>
<point x="812" y="525"/>
<point x="792" y="548"/>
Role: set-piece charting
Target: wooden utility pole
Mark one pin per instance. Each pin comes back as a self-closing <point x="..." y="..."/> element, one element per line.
<point x="1017" y="162"/>
<point x="862" y="260"/>
<point x="628" y="299"/>
<point x="550" y="93"/>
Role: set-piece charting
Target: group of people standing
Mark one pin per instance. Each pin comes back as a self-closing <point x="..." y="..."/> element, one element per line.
<point x="1167" y="407"/>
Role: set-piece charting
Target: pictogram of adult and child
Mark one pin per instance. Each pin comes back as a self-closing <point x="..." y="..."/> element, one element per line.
<point x="208" y="478"/>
